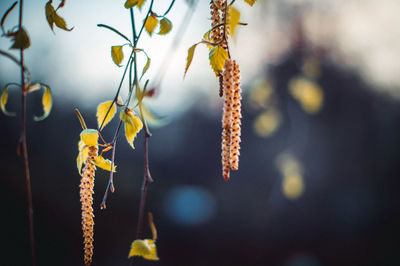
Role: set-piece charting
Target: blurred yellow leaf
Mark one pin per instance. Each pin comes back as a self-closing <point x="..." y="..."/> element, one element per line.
<point x="131" y="3"/>
<point x="117" y="55"/>
<point x="140" y="3"/>
<point x="99" y="161"/>
<point x="250" y="2"/>
<point x="261" y="94"/>
<point x="132" y="125"/>
<point x="151" y="23"/>
<point x="292" y="171"/>
<point x="165" y="26"/>
<point x="60" y="23"/>
<point x="190" y="57"/>
<point x="21" y="40"/>
<point x="50" y="14"/>
<point x="102" y="110"/>
<point x="150" y="117"/>
<point x="308" y="93"/>
<point x="233" y="19"/>
<point x="217" y="57"/>
<point x="152" y="226"/>
<point x="145" y="248"/>
<point x="47" y="103"/>
<point x="90" y="137"/>
<point x="4" y="99"/>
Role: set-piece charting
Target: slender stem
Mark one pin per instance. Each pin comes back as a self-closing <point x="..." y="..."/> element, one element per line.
<point x="13" y="58"/>
<point x="110" y="185"/>
<point x="114" y="30"/>
<point x="24" y="145"/>
<point x="169" y="8"/>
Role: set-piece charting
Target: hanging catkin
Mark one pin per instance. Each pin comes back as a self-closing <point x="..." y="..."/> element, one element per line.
<point x="86" y="193"/>
<point x="227" y="118"/>
<point x="236" y="118"/>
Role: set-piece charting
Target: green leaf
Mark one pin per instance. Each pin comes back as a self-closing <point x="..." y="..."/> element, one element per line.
<point x="3" y="19"/>
<point x="190" y="57"/>
<point x="4" y="99"/>
<point x="21" y="40"/>
<point x="151" y="23"/>
<point x="250" y="2"/>
<point x="132" y="125"/>
<point x="47" y="103"/>
<point x="50" y="14"/>
<point x="217" y="57"/>
<point x="146" y="67"/>
<point x="104" y="109"/>
<point x="60" y="23"/>
<point x="165" y="26"/>
<point x="117" y="55"/>
<point x="233" y="19"/>
<point x="131" y="3"/>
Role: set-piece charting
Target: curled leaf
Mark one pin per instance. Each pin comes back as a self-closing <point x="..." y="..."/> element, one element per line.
<point x="8" y="11"/>
<point x="105" y="109"/>
<point x="117" y="55"/>
<point x="146" y="67"/>
<point x="145" y="248"/>
<point x="21" y="40"/>
<point x="190" y="57"/>
<point x="90" y="137"/>
<point x="233" y="19"/>
<point x="152" y="226"/>
<point x="4" y="99"/>
<point x="151" y="23"/>
<point x="217" y="57"/>
<point x="165" y="26"/>
<point x="47" y="102"/>
<point x="250" y="2"/>
<point x="132" y="125"/>
<point x="131" y="3"/>
<point x="99" y="161"/>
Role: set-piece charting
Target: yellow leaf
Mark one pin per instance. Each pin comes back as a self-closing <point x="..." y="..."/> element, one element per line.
<point x="217" y="56"/>
<point x="151" y="23"/>
<point x="145" y="248"/>
<point x="4" y="99"/>
<point x="250" y="2"/>
<point x="117" y="55"/>
<point x="140" y="3"/>
<point x="90" y="137"/>
<point x="105" y="109"/>
<point x="152" y="226"/>
<point x="132" y="125"/>
<point x="99" y="161"/>
<point x="146" y="67"/>
<point x="190" y="57"/>
<point x="150" y="117"/>
<point x="50" y="14"/>
<point x="82" y="156"/>
<point x="131" y="3"/>
<point x="233" y="19"/>
<point x="53" y="18"/>
<point x="165" y="26"/>
<point x="47" y="103"/>
<point x="21" y="40"/>
<point x="60" y="22"/>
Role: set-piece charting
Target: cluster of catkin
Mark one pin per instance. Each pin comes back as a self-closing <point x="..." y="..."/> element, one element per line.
<point x="231" y="119"/>
<point x="86" y="193"/>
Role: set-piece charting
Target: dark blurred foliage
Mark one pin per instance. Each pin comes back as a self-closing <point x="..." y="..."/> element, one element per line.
<point x="347" y="215"/>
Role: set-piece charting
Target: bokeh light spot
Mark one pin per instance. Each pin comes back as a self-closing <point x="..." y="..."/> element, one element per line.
<point x="189" y="205"/>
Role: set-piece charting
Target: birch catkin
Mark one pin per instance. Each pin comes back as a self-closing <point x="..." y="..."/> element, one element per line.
<point x="86" y="193"/>
<point x="236" y="118"/>
<point x="227" y="118"/>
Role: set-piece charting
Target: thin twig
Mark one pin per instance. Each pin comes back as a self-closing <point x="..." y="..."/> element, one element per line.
<point x="24" y="145"/>
<point x="110" y="185"/>
<point x="13" y="58"/>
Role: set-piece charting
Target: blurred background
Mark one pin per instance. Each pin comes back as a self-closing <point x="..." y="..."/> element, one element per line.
<point x="318" y="180"/>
